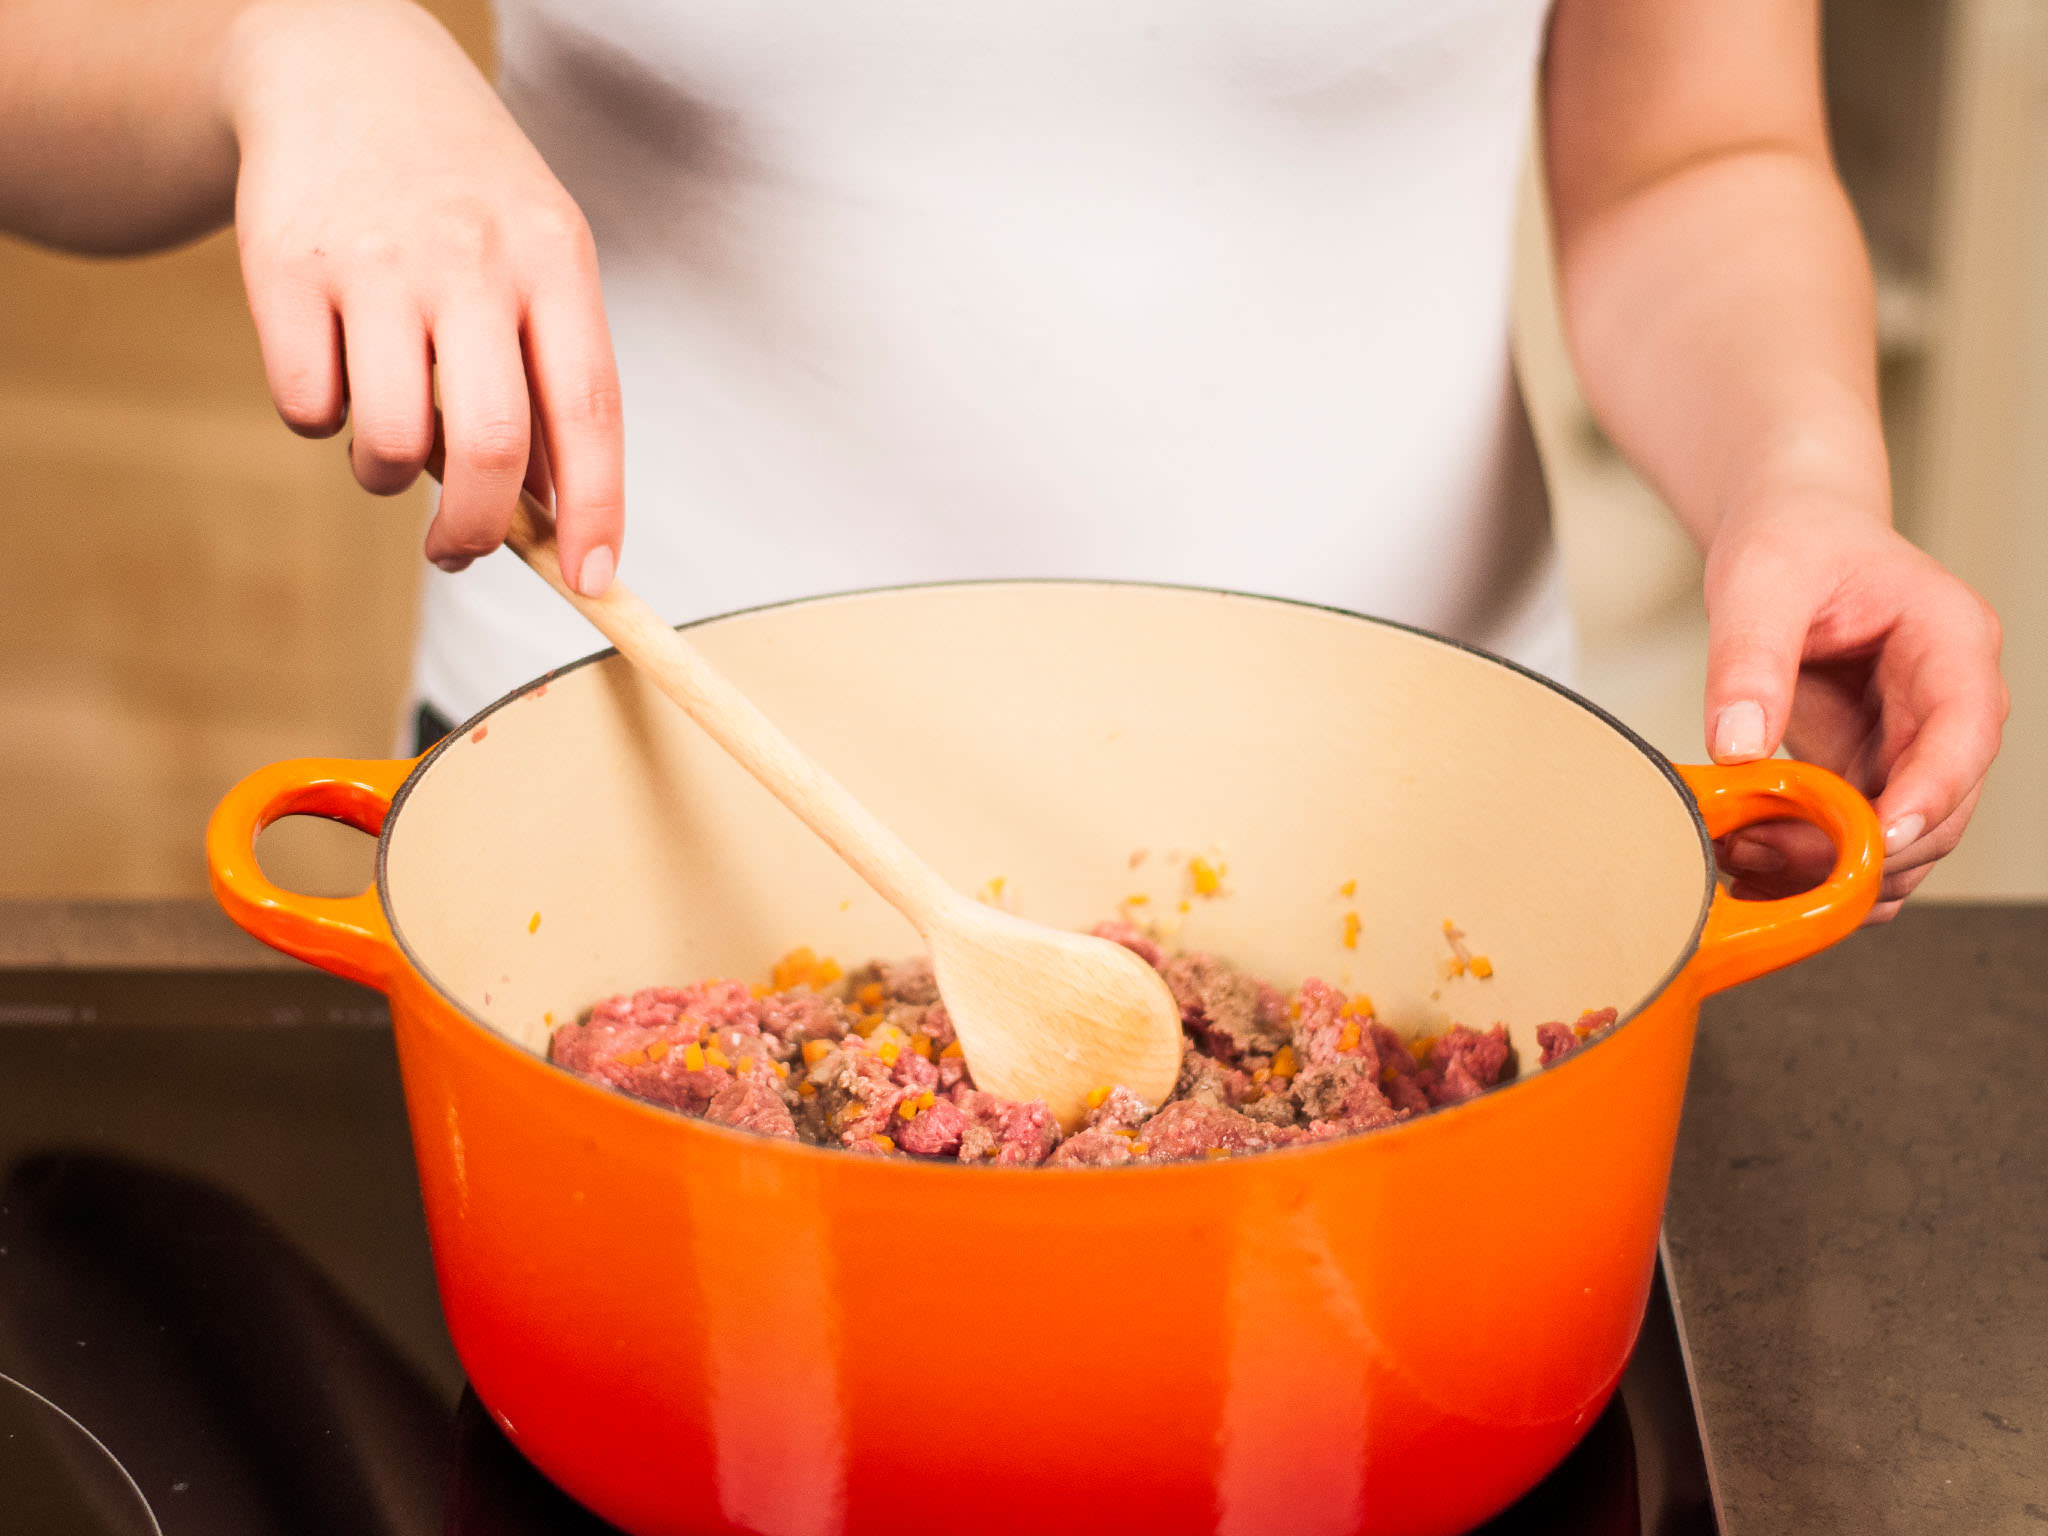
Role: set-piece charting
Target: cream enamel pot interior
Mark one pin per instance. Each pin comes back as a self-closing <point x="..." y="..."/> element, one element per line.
<point x="693" y="1329"/>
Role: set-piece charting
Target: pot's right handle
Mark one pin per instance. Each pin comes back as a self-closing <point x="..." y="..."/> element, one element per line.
<point x="1744" y="939"/>
<point x="346" y="935"/>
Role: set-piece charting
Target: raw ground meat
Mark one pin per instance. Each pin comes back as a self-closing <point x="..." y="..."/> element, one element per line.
<point x="869" y="1062"/>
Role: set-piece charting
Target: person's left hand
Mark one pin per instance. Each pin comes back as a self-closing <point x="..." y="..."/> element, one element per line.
<point x="1832" y="633"/>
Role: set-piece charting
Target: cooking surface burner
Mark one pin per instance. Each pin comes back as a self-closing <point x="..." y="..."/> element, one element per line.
<point x="216" y="1301"/>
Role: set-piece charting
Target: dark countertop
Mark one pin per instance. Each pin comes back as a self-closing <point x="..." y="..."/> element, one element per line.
<point x="1858" y="1222"/>
<point x="1858" y="1227"/>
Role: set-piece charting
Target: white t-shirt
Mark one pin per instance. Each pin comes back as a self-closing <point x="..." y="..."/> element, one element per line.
<point x="907" y="290"/>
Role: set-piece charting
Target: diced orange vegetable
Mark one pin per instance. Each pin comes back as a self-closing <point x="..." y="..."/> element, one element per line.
<point x="1351" y="927"/>
<point x="1481" y="967"/>
<point x="952" y="1049"/>
<point x="1262" y="1074"/>
<point x="1136" y="899"/>
<point x="1097" y="1095"/>
<point x="922" y="1044"/>
<point x="802" y="967"/>
<point x="548" y="1019"/>
<point x="1207" y="877"/>
<point x="716" y="1057"/>
<point x="746" y="1066"/>
<point x="1357" y="1006"/>
<point x="1284" y="1062"/>
<point x="907" y="1109"/>
<point x="1216" y="1154"/>
<point x="869" y="996"/>
<point x="884" y="1142"/>
<point x="634" y="1058"/>
<point x="816" y="1051"/>
<point x="1347" y="1038"/>
<point x="927" y="1099"/>
<point x="807" y="1090"/>
<point x="1348" y="888"/>
<point x="1140" y="1148"/>
<point x="782" y="1069"/>
<point x="656" y="1049"/>
<point x="693" y="1057"/>
<point x="1419" y="1048"/>
<point x="533" y="923"/>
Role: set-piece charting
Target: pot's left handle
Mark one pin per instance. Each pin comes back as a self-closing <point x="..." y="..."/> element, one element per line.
<point x="346" y="934"/>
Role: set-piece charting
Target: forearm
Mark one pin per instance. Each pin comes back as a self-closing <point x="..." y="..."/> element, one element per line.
<point x="1722" y="321"/>
<point x="117" y="136"/>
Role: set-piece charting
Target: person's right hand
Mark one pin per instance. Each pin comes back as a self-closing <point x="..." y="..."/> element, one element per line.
<point x="394" y="223"/>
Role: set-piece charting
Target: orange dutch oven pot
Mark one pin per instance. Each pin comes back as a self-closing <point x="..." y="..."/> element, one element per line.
<point x="692" y="1329"/>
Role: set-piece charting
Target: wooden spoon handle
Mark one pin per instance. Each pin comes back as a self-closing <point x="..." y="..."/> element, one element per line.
<point x="730" y="718"/>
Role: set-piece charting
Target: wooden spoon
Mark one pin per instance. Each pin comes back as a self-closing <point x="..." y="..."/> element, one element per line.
<point x="1041" y="1013"/>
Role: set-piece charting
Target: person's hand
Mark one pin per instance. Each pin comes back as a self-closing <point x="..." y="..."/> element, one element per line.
<point x="394" y="225"/>
<point x="1830" y="631"/>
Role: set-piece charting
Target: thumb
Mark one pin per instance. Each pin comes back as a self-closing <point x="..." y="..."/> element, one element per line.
<point x="1757" y="619"/>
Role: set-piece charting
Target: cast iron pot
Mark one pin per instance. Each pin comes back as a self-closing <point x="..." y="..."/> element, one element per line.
<point x="693" y="1329"/>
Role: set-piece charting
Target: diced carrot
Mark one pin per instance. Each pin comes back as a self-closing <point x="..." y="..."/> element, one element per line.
<point x="807" y="1090"/>
<point x="1207" y="877"/>
<point x="1351" y="927"/>
<point x="656" y="1049"/>
<point x="1285" y="1063"/>
<point x="533" y="923"/>
<point x="887" y="1144"/>
<point x="1481" y="967"/>
<point x="1348" y="888"/>
<point x="907" y="1109"/>
<point x="716" y="1057"/>
<point x="869" y="996"/>
<point x="1097" y="1095"/>
<point x="693" y="1057"/>
<point x="922" y="1044"/>
<point x="1347" y="1038"/>
<point x="635" y="1058"/>
<point x="952" y="1049"/>
<point x="816" y="1051"/>
<point x="1140" y="1148"/>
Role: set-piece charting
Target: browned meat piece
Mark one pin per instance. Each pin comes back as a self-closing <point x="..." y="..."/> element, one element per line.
<point x="1464" y="1063"/>
<point x="935" y="1130"/>
<point x="1093" y="1149"/>
<point x="1021" y="1134"/>
<point x="1319" y="1025"/>
<point x="1207" y="1079"/>
<point x="791" y="1018"/>
<point x="1560" y="1040"/>
<point x="751" y="1104"/>
<point x="1193" y="1128"/>
<point x="1345" y="1092"/>
<point x="1120" y="1110"/>
<point x="910" y="981"/>
<point x="1230" y="1013"/>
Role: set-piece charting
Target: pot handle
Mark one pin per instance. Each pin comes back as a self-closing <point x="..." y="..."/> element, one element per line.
<point x="1744" y="939"/>
<point x="347" y="934"/>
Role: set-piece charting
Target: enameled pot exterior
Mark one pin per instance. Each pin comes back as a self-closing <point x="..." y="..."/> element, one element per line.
<point x="695" y="1330"/>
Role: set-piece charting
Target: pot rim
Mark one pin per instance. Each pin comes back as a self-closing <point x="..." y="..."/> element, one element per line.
<point x="765" y="1143"/>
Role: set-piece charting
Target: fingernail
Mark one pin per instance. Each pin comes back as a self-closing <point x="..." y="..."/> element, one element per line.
<point x="1755" y="856"/>
<point x="595" y="579"/>
<point x="1904" y="832"/>
<point x="451" y="563"/>
<point x="1739" y="732"/>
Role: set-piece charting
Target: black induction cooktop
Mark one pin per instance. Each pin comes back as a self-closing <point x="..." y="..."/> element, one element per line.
<point x="217" y="1312"/>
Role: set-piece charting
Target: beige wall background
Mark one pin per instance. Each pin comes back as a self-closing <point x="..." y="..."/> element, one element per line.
<point x="190" y="592"/>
